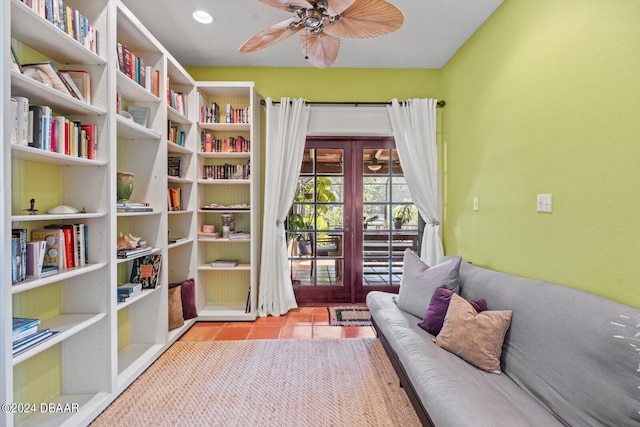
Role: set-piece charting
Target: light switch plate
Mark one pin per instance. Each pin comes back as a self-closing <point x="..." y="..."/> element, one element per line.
<point x="544" y="203"/>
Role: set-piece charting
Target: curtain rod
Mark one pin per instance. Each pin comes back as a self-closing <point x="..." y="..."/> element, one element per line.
<point x="440" y="103"/>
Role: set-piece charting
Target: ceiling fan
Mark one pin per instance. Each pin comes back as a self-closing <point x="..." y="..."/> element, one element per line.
<point x="322" y="23"/>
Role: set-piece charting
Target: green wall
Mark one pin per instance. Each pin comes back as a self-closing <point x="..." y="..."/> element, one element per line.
<point x="544" y="98"/>
<point x="330" y="85"/>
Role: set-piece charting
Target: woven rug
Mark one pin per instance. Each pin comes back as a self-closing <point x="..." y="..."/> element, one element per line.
<point x="349" y="316"/>
<point x="347" y="382"/>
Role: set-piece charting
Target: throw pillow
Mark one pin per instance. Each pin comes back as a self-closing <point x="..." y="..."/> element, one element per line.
<point x="475" y="337"/>
<point x="175" y="308"/>
<point x="188" y="293"/>
<point x="434" y="317"/>
<point x="419" y="281"/>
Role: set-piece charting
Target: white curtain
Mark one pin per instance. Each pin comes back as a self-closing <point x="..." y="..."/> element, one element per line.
<point x="414" y="129"/>
<point x="286" y="134"/>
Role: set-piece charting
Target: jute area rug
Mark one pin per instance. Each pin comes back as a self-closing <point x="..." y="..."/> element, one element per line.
<point x="349" y="316"/>
<point x="347" y="382"/>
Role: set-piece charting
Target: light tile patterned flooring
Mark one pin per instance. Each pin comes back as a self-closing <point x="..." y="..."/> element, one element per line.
<point x="299" y="323"/>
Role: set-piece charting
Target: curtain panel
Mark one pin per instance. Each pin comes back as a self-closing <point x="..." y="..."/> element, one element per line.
<point x="414" y="129"/>
<point x="286" y="132"/>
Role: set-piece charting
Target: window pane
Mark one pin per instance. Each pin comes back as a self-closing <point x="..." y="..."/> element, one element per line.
<point x="375" y="189"/>
<point x="330" y="217"/>
<point x="307" y="161"/>
<point x="376" y="216"/>
<point x="329" y="189"/>
<point x="329" y="161"/>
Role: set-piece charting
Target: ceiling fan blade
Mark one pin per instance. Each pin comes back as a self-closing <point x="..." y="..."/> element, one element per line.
<point x="365" y="19"/>
<point x="288" y="4"/>
<point x="269" y="36"/>
<point x="321" y="50"/>
<point x="336" y="7"/>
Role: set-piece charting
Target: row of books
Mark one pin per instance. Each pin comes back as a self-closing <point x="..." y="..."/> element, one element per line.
<point x="238" y="144"/>
<point x="176" y="135"/>
<point x="137" y="70"/>
<point x="25" y="334"/>
<point x="176" y="166"/>
<point x="130" y="253"/>
<point x="51" y="249"/>
<point x="233" y="115"/>
<point x="226" y="171"/>
<point x="69" y="20"/>
<point x="39" y="127"/>
<point x="174" y="199"/>
<point x="177" y="100"/>
<point x="210" y="115"/>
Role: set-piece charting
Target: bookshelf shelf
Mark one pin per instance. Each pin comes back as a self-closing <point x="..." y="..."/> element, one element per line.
<point x="153" y="252"/>
<point x="132" y="214"/>
<point x="39" y="93"/>
<point x="132" y="300"/>
<point x="232" y="155"/>
<point x="130" y="90"/>
<point x="33" y="283"/>
<point x="224" y="181"/>
<point x="216" y="313"/>
<point x="182" y="212"/>
<point x="52" y="217"/>
<point x="179" y="180"/>
<point x="239" y="267"/>
<point x="172" y="147"/>
<point x="176" y="117"/>
<point x="67" y="325"/>
<point x="131" y="130"/>
<point x="24" y="152"/>
<point x="226" y="127"/>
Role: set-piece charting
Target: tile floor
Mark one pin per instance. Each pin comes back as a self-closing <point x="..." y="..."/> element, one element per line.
<point x="300" y="323"/>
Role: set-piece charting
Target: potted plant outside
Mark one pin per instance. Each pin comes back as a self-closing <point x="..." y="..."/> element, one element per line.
<point x="402" y="215"/>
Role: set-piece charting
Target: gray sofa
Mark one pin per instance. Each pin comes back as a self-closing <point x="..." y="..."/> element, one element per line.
<point x="568" y="358"/>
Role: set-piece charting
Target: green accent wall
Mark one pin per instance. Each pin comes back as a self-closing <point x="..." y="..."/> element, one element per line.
<point x="544" y="98"/>
<point x="332" y="84"/>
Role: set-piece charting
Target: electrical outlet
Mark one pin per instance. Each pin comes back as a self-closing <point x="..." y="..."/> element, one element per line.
<point x="544" y="203"/>
<point x="475" y="204"/>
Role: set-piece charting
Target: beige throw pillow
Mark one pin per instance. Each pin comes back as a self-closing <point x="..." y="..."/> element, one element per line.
<point x="476" y="337"/>
<point x="175" y="308"/>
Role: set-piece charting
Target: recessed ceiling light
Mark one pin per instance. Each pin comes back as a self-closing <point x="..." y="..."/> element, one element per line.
<point x="202" y="17"/>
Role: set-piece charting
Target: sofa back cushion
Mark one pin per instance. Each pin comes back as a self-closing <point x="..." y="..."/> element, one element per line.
<point x="419" y="280"/>
<point x="574" y="351"/>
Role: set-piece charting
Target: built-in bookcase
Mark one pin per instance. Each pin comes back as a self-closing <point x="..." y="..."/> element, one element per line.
<point x="228" y="186"/>
<point x="101" y="345"/>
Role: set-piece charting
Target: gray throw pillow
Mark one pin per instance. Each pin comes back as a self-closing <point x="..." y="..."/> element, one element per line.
<point x="419" y="281"/>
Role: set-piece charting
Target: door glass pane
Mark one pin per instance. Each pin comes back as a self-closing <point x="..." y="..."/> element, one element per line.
<point x="390" y="218"/>
<point x="316" y="220"/>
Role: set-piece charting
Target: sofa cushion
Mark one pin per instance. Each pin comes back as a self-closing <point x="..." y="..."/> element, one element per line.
<point x="476" y="337"/>
<point x="434" y="317"/>
<point x="420" y="280"/>
<point x="175" y="308"/>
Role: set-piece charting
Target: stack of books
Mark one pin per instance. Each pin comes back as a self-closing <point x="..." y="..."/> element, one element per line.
<point x="224" y="263"/>
<point x="128" y="290"/>
<point x="25" y="334"/>
<point x="124" y="207"/>
<point x="132" y="253"/>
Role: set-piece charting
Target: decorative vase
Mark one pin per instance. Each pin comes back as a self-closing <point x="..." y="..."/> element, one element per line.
<point x="124" y="184"/>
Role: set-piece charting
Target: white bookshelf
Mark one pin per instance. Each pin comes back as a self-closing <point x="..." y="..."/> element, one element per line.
<point x="229" y="294"/>
<point x="101" y="346"/>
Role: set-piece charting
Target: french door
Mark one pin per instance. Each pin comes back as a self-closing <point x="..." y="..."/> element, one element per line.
<point x="342" y="238"/>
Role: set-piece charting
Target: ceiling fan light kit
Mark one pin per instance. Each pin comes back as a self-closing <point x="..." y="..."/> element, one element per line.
<point x="322" y="23"/>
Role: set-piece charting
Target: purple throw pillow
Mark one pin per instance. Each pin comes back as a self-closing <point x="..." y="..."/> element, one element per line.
<point x="437" y="310"/>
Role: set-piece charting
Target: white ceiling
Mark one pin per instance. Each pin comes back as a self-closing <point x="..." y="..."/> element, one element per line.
<point x="433" y="31"/>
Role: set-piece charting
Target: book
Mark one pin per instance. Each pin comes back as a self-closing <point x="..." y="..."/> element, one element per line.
<point x="23" y="327"/>
<point x="18" y="254"/>
<point x="82" y="80"/>
<point x="35" y="257"/>
<point x="34" y="340"/>
<point x="54" y="238"/>
<point x="145" y="270"/>
<point x="15" y="63"/>
<point x="128" y="290"/>
<point x="177" y="239"/>
<point x="224" y="263"/>
<point x="91" y="133"/>
<point x="34" y="126"/>
<point x="69" y="243"/>
<point x="22" y="136"/>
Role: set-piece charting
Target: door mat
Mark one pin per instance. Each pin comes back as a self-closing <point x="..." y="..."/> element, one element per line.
<point x="349" y="316"/>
